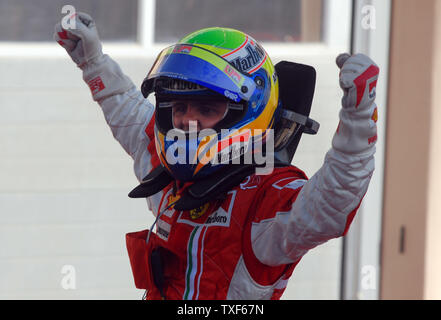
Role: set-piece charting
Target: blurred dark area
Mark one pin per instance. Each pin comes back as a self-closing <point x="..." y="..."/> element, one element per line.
<point x="272" y="21"/>
<point x="25" y="20"/>
<point x="282" y="21"/>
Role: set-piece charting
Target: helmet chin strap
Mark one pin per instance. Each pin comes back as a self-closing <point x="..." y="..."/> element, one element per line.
<point x="202" y="191"/>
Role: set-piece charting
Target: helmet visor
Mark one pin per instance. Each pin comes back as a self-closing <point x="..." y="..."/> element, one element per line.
<point x="198" y="65"/>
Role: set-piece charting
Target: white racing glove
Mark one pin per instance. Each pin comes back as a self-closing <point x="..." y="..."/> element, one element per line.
<point x="357" y="131"/>
<point x="103" y="75"/>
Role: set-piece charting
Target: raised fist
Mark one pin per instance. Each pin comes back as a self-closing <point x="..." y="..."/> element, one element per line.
<point x="358" y="79"/>
<point x="357" y="131"/>
<point x="82" y="43"/>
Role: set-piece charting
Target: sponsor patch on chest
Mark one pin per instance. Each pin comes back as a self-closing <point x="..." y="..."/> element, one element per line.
<point x="163" y="229"/>
<point x="198" y="212"/>
<point x="221" y="217"/>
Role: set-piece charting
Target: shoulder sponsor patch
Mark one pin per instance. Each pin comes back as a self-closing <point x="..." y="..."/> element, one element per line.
<point x="163" y="229"/>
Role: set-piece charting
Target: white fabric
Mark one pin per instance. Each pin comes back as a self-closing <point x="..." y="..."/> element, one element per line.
<point x="103" y="76"/>
<point x="243" y="286"/>
<point x="82" y="43"/>
<point x="324" y="203"/>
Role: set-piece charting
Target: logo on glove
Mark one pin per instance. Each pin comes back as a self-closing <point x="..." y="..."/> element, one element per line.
<point x="362" y="80"/>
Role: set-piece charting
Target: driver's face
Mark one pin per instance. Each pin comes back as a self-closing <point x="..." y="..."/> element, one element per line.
<point x="205" y="113"/>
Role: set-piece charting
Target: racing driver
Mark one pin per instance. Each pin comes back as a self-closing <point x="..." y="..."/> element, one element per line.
<point x="224" y="230"/>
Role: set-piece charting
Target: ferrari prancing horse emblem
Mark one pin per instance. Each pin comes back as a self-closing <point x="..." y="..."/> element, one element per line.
<point x="197" y="212"/>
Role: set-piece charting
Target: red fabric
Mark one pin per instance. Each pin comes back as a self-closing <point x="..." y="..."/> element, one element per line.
<point x="362" y="79"/>
<point x="139" y="257"/>
<point x="63" y="34"/>
<point x="262" y="210"/>
<point x="278" y="292"/>
<point x="351" y="217"/>
<point x="220" y="244"/>
<point x="149" y="130"/>
<point x="201" y="252"/>
<point x="96" y="85"/>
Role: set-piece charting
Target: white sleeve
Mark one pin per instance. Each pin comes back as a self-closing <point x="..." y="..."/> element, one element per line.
<point x="128" y="115"/>
<point x="325" y="205"/>
<point x="125" y="109"/>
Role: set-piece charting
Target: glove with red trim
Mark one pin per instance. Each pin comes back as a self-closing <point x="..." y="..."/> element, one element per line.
<point x="81" y="43"/>
<point x="103" y="75"/>
<point x="357" y="131"/>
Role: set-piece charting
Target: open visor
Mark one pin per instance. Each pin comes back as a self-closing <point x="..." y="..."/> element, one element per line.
<point x="198" y="65"/>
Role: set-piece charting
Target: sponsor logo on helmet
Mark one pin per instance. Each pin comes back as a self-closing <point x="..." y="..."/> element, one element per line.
<point x="233" y="147"/>
<point x="233" y="152"/>
<point x="243" y="146"/>
<point x="182" y="49"/>
<point x="178" y="85"/>
<point x="233" y="74"/>
<point x="231" y="95"/>
<point x="248" y="58"/>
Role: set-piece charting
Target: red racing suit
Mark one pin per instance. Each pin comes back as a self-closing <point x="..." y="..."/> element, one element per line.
<point x="247" y="245"/>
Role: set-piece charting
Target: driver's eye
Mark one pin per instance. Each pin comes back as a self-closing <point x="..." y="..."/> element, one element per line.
<point x="206" y="111"/>
<point x="180" y="107"/>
